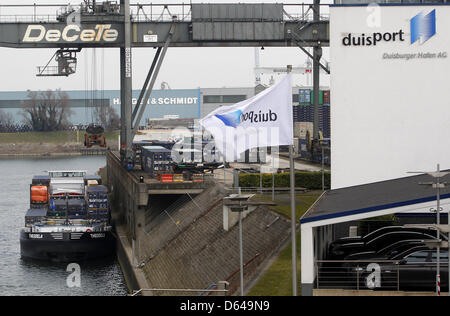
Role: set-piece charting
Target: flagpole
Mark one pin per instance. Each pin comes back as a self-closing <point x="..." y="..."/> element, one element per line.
<point x="293" y="215"/>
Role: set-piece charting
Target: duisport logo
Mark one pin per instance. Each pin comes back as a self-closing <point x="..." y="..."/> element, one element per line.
<point x="233" y="119"/>
<point x="422" y="26"/>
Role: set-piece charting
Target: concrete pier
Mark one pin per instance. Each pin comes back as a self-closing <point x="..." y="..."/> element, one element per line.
<point x="129" y="201"/>
<point x="174" y="235"/>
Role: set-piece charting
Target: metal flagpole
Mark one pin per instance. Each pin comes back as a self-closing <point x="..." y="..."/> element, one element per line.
<point x="241" y="243"/>
<point x="241" y="255"/>
<point x="293" y="216"/>
<point x="273" y="174"/>
<point x="438" y="232"/>
<point x="438" y="185"/>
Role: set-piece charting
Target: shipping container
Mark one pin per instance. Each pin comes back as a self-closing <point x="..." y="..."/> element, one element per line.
<point x="39" y="194"/>
<point x="88" y="178"/>
<point x="97" y="197"/>
<point x="304" y="96"/>
<point x="34" y="216"/>
<point x="63" y="207"/>
<point x="156" y="160"/>
<point x="320" y="97"/>
<point x="70" y="186"/>
<point x="41" y="180"/>
<point x="326" y="97"/>
<point x="303" y="148"/>
<point x="102" y="215"/>
<point x="97" y="191"/>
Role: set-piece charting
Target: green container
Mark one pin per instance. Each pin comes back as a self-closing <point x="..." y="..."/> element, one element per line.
<point x="320" y="97"/>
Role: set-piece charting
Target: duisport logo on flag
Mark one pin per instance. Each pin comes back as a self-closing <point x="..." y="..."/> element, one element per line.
<point x="264" y="120"/>
<point x="423" y="27"/>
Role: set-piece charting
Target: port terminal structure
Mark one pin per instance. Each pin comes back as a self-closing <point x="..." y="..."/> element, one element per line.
<point x="159" y="26"/>
<point x="122" y="25"/>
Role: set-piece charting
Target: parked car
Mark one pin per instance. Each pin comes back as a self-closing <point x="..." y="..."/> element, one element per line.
<point x="377" y="240"/>
<point x="388" y="251"/>
<point x="413" y="269"/>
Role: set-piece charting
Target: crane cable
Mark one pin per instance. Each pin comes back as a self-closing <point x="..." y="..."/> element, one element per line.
<point x="86" y="86"/>
<point x="93" y="86"/>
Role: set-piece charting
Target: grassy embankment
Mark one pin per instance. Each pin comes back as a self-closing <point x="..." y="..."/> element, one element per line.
<point x="60" y="137"/>
<point x="277" y="280"/>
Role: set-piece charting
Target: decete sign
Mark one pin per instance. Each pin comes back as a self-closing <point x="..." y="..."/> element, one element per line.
<point x="391" y="111"/>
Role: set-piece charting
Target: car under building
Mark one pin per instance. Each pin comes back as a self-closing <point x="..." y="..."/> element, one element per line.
<point x="338" y="209"/>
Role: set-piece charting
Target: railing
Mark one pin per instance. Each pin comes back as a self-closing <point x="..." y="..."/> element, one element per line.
<point x="158" y="12"/>
<point x="139" y="292"/>
<point x="390" y="275"/>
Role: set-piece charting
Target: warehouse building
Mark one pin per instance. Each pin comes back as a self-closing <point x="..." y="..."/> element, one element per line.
<point x="384" y="126"/>
<point x="176" y="103"/>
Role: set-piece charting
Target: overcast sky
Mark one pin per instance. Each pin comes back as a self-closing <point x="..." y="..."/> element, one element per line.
<point x="183" y="68"/>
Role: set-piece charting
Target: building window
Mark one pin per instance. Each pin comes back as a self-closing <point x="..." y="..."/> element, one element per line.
<point x="223" y="98"/>
<point x="233" y="98"/>
<point x="212" y="99"/>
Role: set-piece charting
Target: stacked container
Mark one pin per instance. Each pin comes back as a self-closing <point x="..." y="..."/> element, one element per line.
<point x="97" y="202"/>
<point x="156" y="160"/>
<point x="304" y="96"/>
<point x="77" y="209"/>
<point x="41" y="180"/>
<point x="34" y="216"/>
<point x="326" y="120"/>
<point x="39" y="195"/>
<point x="306" y="110"/>
<point x="58" y="208"/>
<point x="296" y="113"/>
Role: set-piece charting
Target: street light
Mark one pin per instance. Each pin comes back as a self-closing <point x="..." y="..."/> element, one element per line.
<point x="438" y="185"/>
<point x="324" y="142"/>
<point x="240" y="203"/>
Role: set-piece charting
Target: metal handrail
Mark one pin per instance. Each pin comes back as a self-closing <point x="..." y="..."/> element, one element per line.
<point x="135" y="293"/>
<point x="333" y="274"/>
<point x="159" y="12"/>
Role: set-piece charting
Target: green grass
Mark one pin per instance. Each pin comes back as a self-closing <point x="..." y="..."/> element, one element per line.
<point x="277" y="280"/>
<point x="60" y="137"/>
<point x="302" y="202"/>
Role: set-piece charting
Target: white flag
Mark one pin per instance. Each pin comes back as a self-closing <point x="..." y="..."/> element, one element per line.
<point x="264" y="120"/>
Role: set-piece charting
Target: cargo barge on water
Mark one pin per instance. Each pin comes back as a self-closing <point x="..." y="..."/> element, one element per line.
<point x="68" y="220"/>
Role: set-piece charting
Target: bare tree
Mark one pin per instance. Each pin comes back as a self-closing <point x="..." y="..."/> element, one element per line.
<point x="47" y="110"/>
<point x="106" y="116"/>
<point x="6" y="118"/>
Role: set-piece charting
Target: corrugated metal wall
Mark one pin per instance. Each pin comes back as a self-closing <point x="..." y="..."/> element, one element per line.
<point x="237" y="22"/>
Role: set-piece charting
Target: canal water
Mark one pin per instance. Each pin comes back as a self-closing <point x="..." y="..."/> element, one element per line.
<point x="19" y="277"/>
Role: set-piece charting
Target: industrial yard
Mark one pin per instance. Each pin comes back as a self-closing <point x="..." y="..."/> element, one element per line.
<point x="225" y="152"/>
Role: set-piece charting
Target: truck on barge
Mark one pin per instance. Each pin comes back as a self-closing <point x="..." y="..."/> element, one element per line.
<point x="69" y="219"/>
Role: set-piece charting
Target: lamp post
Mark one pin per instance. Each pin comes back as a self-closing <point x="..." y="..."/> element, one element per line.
<point x="323" y="143"/>
<point x="240" y="203"/>
<point x="438" y="174"/>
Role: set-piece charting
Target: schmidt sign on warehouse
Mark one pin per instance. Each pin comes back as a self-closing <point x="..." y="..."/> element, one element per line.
<point x="390" y="111"/>
<point x="183" y="103"/>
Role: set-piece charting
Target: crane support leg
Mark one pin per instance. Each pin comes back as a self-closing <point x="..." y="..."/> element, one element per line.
<point x="147" y="80"/>
<point x="152" y="75"/>
<point x="126" y="139"/>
